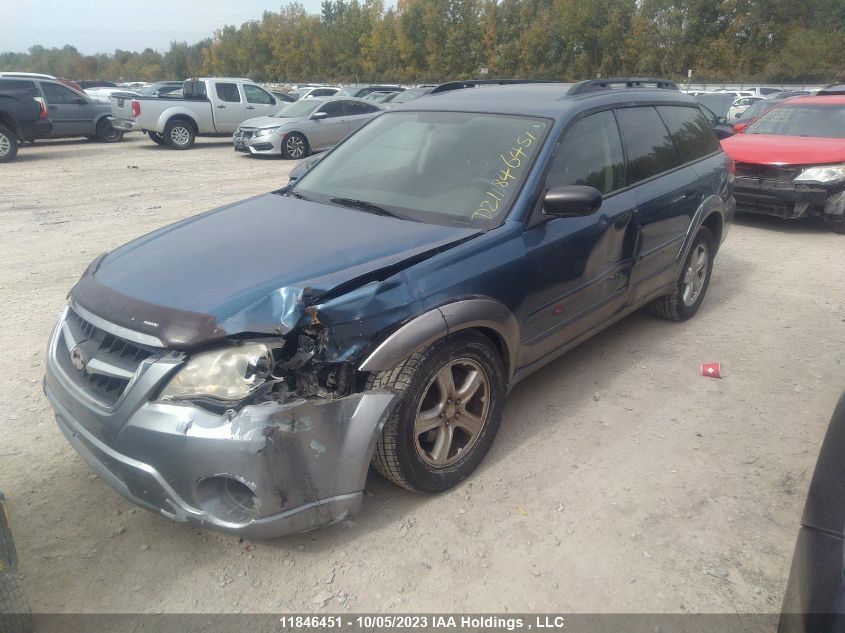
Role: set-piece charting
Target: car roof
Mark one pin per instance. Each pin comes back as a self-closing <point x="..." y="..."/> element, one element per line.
<point x="540" y="99"/>
<point x="818" y="99"/>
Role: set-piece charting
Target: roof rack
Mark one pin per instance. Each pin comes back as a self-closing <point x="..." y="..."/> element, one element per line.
<point x="595" y="85"/>
<point x="473" y="83"/>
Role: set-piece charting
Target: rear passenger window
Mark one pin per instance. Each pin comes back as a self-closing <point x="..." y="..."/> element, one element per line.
<point x="16" y="84"/>
<point x="254" y="94"/>
<point x="649" y="146"/>
<point x="591" y="154"/>
<point x="228" y="93"/>
<point x="691" y="133"/>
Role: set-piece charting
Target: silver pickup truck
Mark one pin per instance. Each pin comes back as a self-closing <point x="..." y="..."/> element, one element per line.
<point x="206" y="107"/>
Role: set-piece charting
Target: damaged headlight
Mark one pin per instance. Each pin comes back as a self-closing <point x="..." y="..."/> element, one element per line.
<point x="229" y="374"/>
<point x="825" y="174"/>
<point x="267" y="131"/>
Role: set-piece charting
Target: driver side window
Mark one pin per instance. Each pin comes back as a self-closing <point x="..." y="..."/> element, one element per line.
<point x="333" y="109"/>
<point x="591" y="154"/>
<point x="59" y="95"/>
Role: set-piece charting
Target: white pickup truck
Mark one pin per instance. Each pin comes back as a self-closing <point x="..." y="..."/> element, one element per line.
<point x="207" y="107"/>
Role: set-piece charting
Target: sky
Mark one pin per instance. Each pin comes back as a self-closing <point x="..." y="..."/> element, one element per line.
<point x="101" y="26"/>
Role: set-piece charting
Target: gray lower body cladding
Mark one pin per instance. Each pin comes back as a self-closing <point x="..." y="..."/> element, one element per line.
<point x="785" y="199"/>
<point x="264" y="470"/>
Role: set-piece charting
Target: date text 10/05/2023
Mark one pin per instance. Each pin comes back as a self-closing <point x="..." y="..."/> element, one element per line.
<point x="392" y="622"/>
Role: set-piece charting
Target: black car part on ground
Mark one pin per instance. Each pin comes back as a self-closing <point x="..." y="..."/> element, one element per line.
<point x="815" y="595"/>
<point x="22" y="118"/>
<point x="14" y="612"/>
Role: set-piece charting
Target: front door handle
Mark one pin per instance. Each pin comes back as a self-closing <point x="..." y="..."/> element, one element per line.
<point x="250" y="107"/>
<point x="220" y="107"/>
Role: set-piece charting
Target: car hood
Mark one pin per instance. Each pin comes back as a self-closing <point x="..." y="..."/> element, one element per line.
<point x="253" y="266"/>
<point x="267" y="121"/>
<point x="773" y="149"/>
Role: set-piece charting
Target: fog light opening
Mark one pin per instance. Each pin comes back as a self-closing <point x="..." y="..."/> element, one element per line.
<point x="227" y="499"/>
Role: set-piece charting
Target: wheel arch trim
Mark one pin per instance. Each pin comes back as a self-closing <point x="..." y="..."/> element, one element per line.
<point x="425" y="329"/>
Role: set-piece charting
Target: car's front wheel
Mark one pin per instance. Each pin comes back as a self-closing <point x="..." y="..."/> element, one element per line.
<point x="294" y="146"/>
<point x="107" y="133"/>
<point x="449" y="411"/>
<point x="687" y="296"/>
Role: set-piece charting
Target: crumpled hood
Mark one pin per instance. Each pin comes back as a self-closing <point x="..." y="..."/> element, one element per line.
<point x="252" y="266"/>
<point x="774" y="149"/>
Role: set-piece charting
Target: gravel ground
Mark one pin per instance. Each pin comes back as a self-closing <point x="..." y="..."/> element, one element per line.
<point x="621" y="480"/>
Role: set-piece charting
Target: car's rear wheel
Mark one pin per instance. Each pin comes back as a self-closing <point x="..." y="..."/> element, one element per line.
<point x="107" y="133"/>
<point x="156" y="138"/>
<point x="451" y="397"/>
<point x="179" y="134"/>
<point x="294" y="146"/>
<point x="836" y="223"/>
<point x="15" y="616"/>
<point x="686" y="298"/>
<point x="8" y="144"/>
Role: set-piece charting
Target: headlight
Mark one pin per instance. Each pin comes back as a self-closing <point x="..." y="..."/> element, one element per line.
<point x="266" y="131"/>
<point x="229" y="374"/>
<point x="825" y="174"/>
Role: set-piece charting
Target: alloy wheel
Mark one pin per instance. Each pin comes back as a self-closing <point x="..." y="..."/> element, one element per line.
<point x="295" y="146"/>
<point x="5" y="145"/>
<point x="696" y="275"/>
<point x="180" y="135"/>
<point x="452" y="413"/>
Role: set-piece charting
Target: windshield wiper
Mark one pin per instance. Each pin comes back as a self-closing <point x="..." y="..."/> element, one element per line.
<point x="299" y="195"/>
<point x="363" y="205"/>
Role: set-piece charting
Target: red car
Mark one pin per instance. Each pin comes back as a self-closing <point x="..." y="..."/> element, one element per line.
<point x="790" y="162"/>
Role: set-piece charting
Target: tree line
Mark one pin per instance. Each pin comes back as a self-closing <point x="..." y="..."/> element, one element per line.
<point x="435" y="40"/>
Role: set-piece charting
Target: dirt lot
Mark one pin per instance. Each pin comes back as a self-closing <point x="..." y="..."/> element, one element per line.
<point x="621" y="480"/>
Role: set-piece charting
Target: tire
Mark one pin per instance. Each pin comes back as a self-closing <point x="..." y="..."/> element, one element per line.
<point x="295" y="146"/>
<point x="15" y="616"/>
<point x="8" y="144"/>
<point x="179" y="134"/>
<point x="694" y="278"/>
<point x="422" y="462"/>
<point x="106" y="133"/>
<point x="156" y="138"/>
<point x="836" y="223"/>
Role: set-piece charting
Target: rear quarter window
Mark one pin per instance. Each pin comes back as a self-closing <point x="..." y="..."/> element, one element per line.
<point x="690" y="131"/>
<point x="647" y="142"/>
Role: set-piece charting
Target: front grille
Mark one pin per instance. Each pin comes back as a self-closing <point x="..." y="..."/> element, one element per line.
<point x="246" y="134"/>
<point x="778" y="173"/>
<point x="108" y="362"/>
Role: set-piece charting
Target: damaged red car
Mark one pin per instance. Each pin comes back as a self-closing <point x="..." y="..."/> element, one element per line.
<point x="790" y="162"/>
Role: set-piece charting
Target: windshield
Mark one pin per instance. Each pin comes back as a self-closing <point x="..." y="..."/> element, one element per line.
<point x="758" y="108"/>
<point x="298" y="109"/>
<point x="410" y="95"/>
<point x="453" y="168"/>
<point x="802" y="120"/>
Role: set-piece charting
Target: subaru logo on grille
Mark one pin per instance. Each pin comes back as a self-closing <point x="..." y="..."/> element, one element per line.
<point x="77" y="357"/>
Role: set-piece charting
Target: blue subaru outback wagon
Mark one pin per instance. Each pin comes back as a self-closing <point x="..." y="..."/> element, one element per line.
<point x="243" y="368"/>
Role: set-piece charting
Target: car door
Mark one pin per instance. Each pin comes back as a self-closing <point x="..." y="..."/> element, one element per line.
<point x="577" y="268"/>
<point x="72" y="114"/>
<point x="259" y="102"/>
<point x="668" y="193"/>
<point x="228" y="105"/>
<point x="358" y="113"/>
<point x="329" y="131"/>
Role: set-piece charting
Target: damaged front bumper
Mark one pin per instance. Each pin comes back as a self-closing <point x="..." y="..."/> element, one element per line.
<point x="788" y="199"/>
<point x="264" y="470"/>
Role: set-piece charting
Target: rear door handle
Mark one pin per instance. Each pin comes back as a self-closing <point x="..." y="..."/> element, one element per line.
<point x="221" y="107"/>
<point x="250" y="107"/>
<point x="686" y="196"/>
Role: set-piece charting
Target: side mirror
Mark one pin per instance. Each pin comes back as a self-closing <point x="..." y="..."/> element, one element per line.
<point x="572" y="200"/>
<point x="80" y="101"/>
<point x="319" y="115"/>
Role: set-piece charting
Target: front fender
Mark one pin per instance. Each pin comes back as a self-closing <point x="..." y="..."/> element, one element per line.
<point x="425" y="329"/>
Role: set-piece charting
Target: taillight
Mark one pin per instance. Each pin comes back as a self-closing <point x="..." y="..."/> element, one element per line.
<point x="42" y="106"/>
<point x="136" y="108"/>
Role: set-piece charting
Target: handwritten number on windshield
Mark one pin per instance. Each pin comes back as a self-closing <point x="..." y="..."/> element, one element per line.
<point x="512" y="162"/>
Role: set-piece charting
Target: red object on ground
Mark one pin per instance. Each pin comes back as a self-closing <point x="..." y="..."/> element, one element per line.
<point x="711" y="370"/>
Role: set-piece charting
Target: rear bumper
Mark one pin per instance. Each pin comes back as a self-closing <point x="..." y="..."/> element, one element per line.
<point x="125" y="125"/>
<point x="786" y="199"/>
